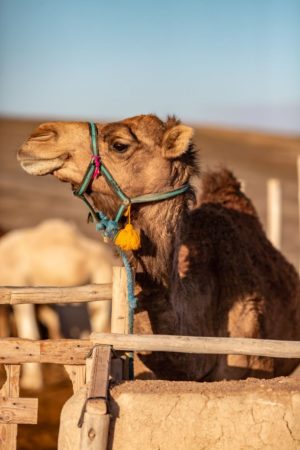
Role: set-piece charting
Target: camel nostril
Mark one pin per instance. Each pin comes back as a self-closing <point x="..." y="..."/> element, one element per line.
<point x="21" y="154"/>
<point x="43" y="135"/>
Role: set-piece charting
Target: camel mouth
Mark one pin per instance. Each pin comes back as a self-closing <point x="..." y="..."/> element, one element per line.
<point x="42" y="166"/>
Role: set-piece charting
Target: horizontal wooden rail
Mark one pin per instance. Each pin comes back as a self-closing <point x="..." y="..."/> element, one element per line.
<point x="203" y="345"/>
<point x="46" y="295"/>
<point x="19" y="410"/>
<point x="60" y="351"/>
<point x="75" y="351"/>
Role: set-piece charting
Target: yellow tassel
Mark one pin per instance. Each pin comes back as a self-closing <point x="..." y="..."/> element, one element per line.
<point x="128" y="238"/>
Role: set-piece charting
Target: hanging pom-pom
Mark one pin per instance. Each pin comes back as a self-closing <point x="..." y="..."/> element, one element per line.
<point x="128" y="238"/>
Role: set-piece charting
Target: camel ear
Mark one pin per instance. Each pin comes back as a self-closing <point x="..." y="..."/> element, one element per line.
<point x="176" y="141"/>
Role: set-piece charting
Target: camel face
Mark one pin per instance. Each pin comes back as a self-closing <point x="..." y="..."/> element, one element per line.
<point x="139" y="152"/>
<point x="59" y="148"/>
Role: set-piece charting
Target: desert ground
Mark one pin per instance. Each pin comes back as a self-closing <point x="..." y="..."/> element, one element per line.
<point x="25" y="201"/>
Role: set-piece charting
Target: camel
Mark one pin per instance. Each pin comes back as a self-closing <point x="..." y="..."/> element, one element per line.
<point x="53" y="253"/>
<point x="205" y="269"/>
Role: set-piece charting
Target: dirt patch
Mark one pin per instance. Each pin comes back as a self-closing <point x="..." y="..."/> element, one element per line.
<point x="224" y="388"/>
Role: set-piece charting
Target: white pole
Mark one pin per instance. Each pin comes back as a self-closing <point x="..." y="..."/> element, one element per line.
<point x="243" y="185"/>
<point x="274" y="212"/>
<point x="298" y="172"/>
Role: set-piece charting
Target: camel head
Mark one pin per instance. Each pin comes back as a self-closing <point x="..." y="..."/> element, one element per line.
<point x="143" y="153"/>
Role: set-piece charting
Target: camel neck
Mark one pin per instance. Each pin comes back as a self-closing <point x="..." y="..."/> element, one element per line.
<point x="160" y="224"/>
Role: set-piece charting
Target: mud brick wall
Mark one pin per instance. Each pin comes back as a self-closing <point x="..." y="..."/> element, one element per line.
<point x="159" y="415"/>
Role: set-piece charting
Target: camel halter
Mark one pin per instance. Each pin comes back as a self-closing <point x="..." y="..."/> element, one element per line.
<point x="110" y="227"/>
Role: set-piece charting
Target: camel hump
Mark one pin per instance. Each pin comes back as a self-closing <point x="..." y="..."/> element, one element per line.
<point x="221" y="186"/>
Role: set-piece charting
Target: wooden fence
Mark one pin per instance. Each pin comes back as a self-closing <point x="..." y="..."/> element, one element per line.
<point x="79" y="358"/>
<point x="92" y="360"/>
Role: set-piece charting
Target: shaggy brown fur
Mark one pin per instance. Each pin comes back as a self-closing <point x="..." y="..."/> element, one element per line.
<point x="226" y="280"/>
<point x="204" y="271"/>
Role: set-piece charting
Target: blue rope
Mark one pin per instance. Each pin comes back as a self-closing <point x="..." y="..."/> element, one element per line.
<point x="109" y="228"/>
<point x="106" y="226"/>
<point x="132" y="301"/>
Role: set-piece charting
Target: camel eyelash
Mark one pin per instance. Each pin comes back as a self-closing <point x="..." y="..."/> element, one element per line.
<point x="119" y="147"/>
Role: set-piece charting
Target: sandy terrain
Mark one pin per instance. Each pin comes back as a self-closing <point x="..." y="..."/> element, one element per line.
<point x="26" y="200"/>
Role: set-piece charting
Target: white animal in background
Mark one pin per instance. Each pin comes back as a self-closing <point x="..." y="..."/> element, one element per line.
<point x="53" y="253"/>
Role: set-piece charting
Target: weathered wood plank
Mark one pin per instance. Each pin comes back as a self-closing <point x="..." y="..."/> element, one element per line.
<point x="61" y="351"/>
<point x="119" y="307"/>
<point x="8" y="436"/>
<point x="100" y="372"/>
<point x="95" y="428"/>
<point x="119" y="313"/>
<point x="18" y="351"/>
<point x="75" y="351"/>
<point x="11" y="388"/>
<point x="18" y="410"/>
<point x="76" y="375"/>
<point x="42" y="295"/>
<point x="201" y="345"/>
<point x="65" y="351"/>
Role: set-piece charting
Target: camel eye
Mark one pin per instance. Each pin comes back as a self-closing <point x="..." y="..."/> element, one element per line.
<point x="119" y="147"/>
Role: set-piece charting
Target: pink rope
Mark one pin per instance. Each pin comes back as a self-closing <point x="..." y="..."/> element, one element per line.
<point x="97" y="161"/>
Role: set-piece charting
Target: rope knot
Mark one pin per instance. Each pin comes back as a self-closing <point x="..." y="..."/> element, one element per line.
<point x="96" y="160"/>
<point x="108" y="227"/>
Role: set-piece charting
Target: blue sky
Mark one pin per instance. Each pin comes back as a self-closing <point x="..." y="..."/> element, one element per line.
<point x="224" y="62"/>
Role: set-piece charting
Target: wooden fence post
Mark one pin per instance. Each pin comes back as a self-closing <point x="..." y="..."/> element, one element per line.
<point x="274" y="213"/>
<point x="95" y="426"/>
<point x="14" y="410"/>
<point x="11" y="388"/>
<point x="243" y="185"/>
<point x="119" y="319"/>
<point x="76" y="375"/>
<point x="119" y="307"/>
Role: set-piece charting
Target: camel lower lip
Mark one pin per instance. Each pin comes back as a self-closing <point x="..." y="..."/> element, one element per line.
<point x="42" y="166"/>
